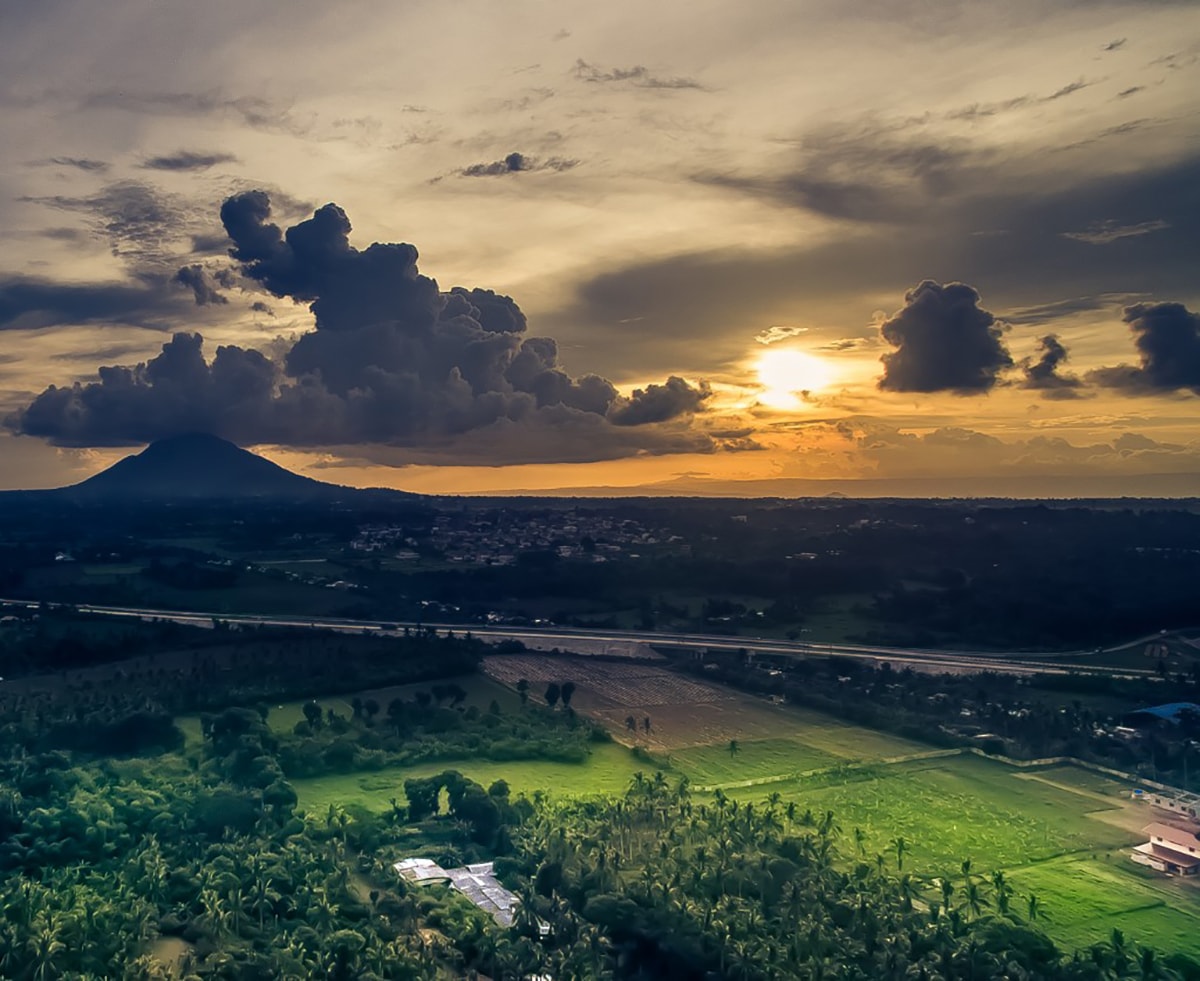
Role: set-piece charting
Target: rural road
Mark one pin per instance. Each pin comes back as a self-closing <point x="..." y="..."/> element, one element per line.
<point x="1011" y="662"/>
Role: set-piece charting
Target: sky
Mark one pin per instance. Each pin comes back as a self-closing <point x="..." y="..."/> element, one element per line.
<point x="787" y="247"/>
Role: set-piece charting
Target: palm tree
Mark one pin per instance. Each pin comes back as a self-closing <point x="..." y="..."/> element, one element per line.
<point x="1148" y="965"/>
<point x="975" y="900"/>
<point x="901" y="847"/>
<point x="947" y="892"/>
<point x="215" y="912"/>
<point x="1120" y="952"/>
<point x="323" y="912"/>
<point x="263" y="896"/>
<point x="46" y="946"/>
<point x="1002" y="889"/>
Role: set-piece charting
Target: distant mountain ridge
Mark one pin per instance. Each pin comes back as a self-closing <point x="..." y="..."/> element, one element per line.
<point x="197" y="466"/>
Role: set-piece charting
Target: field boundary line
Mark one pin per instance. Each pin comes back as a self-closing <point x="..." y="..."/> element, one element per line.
<point x="935" y="754"/>
<point x="1080" y="791"/>
<point x="932" y="754"/>
<point x="1071" y="761"/>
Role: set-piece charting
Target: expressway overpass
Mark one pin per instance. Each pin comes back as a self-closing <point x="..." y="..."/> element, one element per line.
<point x="546" y="638"/>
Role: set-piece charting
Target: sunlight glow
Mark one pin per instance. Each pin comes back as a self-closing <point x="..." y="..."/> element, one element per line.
<point x="784" y="373"/>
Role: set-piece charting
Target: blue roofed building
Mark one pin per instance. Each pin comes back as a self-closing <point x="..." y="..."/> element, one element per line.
<point x="1171" y="712"/>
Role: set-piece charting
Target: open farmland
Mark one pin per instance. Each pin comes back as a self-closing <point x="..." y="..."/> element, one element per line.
<point x="687" y="712"/>
<point x="1059" y="833"/>
<point x="608" y="770"/>
<point x="951" y="809"/>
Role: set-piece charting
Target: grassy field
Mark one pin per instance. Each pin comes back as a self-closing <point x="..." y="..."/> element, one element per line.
<point x="609" y="770"/>
<point x="706" y="765"/>
<point x="1062" y="833"/>
<point x="952" y="809"/>
<point x="1085" y="899"/>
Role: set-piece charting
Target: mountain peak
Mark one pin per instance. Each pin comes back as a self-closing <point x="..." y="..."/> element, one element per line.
<point x="197" y="465"/>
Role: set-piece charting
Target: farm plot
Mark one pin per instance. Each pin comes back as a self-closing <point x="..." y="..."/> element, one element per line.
<point x="608" y="770"/>
<point x="749" y="759"/>
<point x="686" y="712"/>
<point x="617" y="684"/>
<point x="957" y="808"/>
<point x="1085" y="899"/>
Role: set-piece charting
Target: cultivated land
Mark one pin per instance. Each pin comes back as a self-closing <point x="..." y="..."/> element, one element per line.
<point x="1060" y="833"/>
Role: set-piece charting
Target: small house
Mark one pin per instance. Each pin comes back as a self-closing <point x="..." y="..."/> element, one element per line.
<point x="1169" y="849"/>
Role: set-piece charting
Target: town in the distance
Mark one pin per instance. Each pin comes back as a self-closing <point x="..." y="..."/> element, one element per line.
<point x="257" y="726"/>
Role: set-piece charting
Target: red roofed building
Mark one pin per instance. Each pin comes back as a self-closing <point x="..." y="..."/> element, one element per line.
<point x="1169" y="850"/>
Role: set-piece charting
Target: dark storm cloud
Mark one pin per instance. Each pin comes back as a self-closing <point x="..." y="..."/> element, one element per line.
<point x="201" y="283"/>
<point x="1167" y="336"/>
<point x="1042" y="373"/>
<point x="28" y="304"/>
<point x="517" y="163"/>
<point x="172" y="393"/>
<point x="658" y="403"/>
<point x="185" y="160"/>
<point x="945" y="342"/>
<point x="393" y="360"/>
<point x="638" y="75"/>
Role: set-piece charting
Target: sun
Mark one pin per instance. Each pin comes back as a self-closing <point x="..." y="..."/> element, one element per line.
<point x="785" y="372"/>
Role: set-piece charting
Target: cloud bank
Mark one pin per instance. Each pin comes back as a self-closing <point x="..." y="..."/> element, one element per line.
<point x="393" y="360"/>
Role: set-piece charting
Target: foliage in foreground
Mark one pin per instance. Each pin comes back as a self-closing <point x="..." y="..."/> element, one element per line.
<point x="684" y="889"/>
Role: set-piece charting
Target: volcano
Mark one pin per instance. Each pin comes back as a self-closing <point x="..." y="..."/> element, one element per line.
<point x="198" y="466"/>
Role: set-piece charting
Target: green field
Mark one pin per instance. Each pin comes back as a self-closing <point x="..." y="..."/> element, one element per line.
<point x="952" y="809"/>
<point x="754" y="759"/>
<point x="608" y="771"/>
<point x="1085" y="899"/>
<point x="1062" y="833"/>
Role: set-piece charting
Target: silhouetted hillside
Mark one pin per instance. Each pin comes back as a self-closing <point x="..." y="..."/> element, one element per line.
<point x="197" y="465"/>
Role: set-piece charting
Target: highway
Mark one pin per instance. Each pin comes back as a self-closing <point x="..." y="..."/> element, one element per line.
<point x="922" y="659"/>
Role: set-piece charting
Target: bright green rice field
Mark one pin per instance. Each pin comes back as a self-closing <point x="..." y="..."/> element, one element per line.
<point x="1060" y="833"/>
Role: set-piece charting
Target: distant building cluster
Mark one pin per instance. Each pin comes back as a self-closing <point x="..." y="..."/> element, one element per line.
<point x="497" y="537"/>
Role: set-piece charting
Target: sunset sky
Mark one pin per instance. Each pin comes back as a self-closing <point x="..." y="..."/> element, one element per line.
<point x="706" y="247"/>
